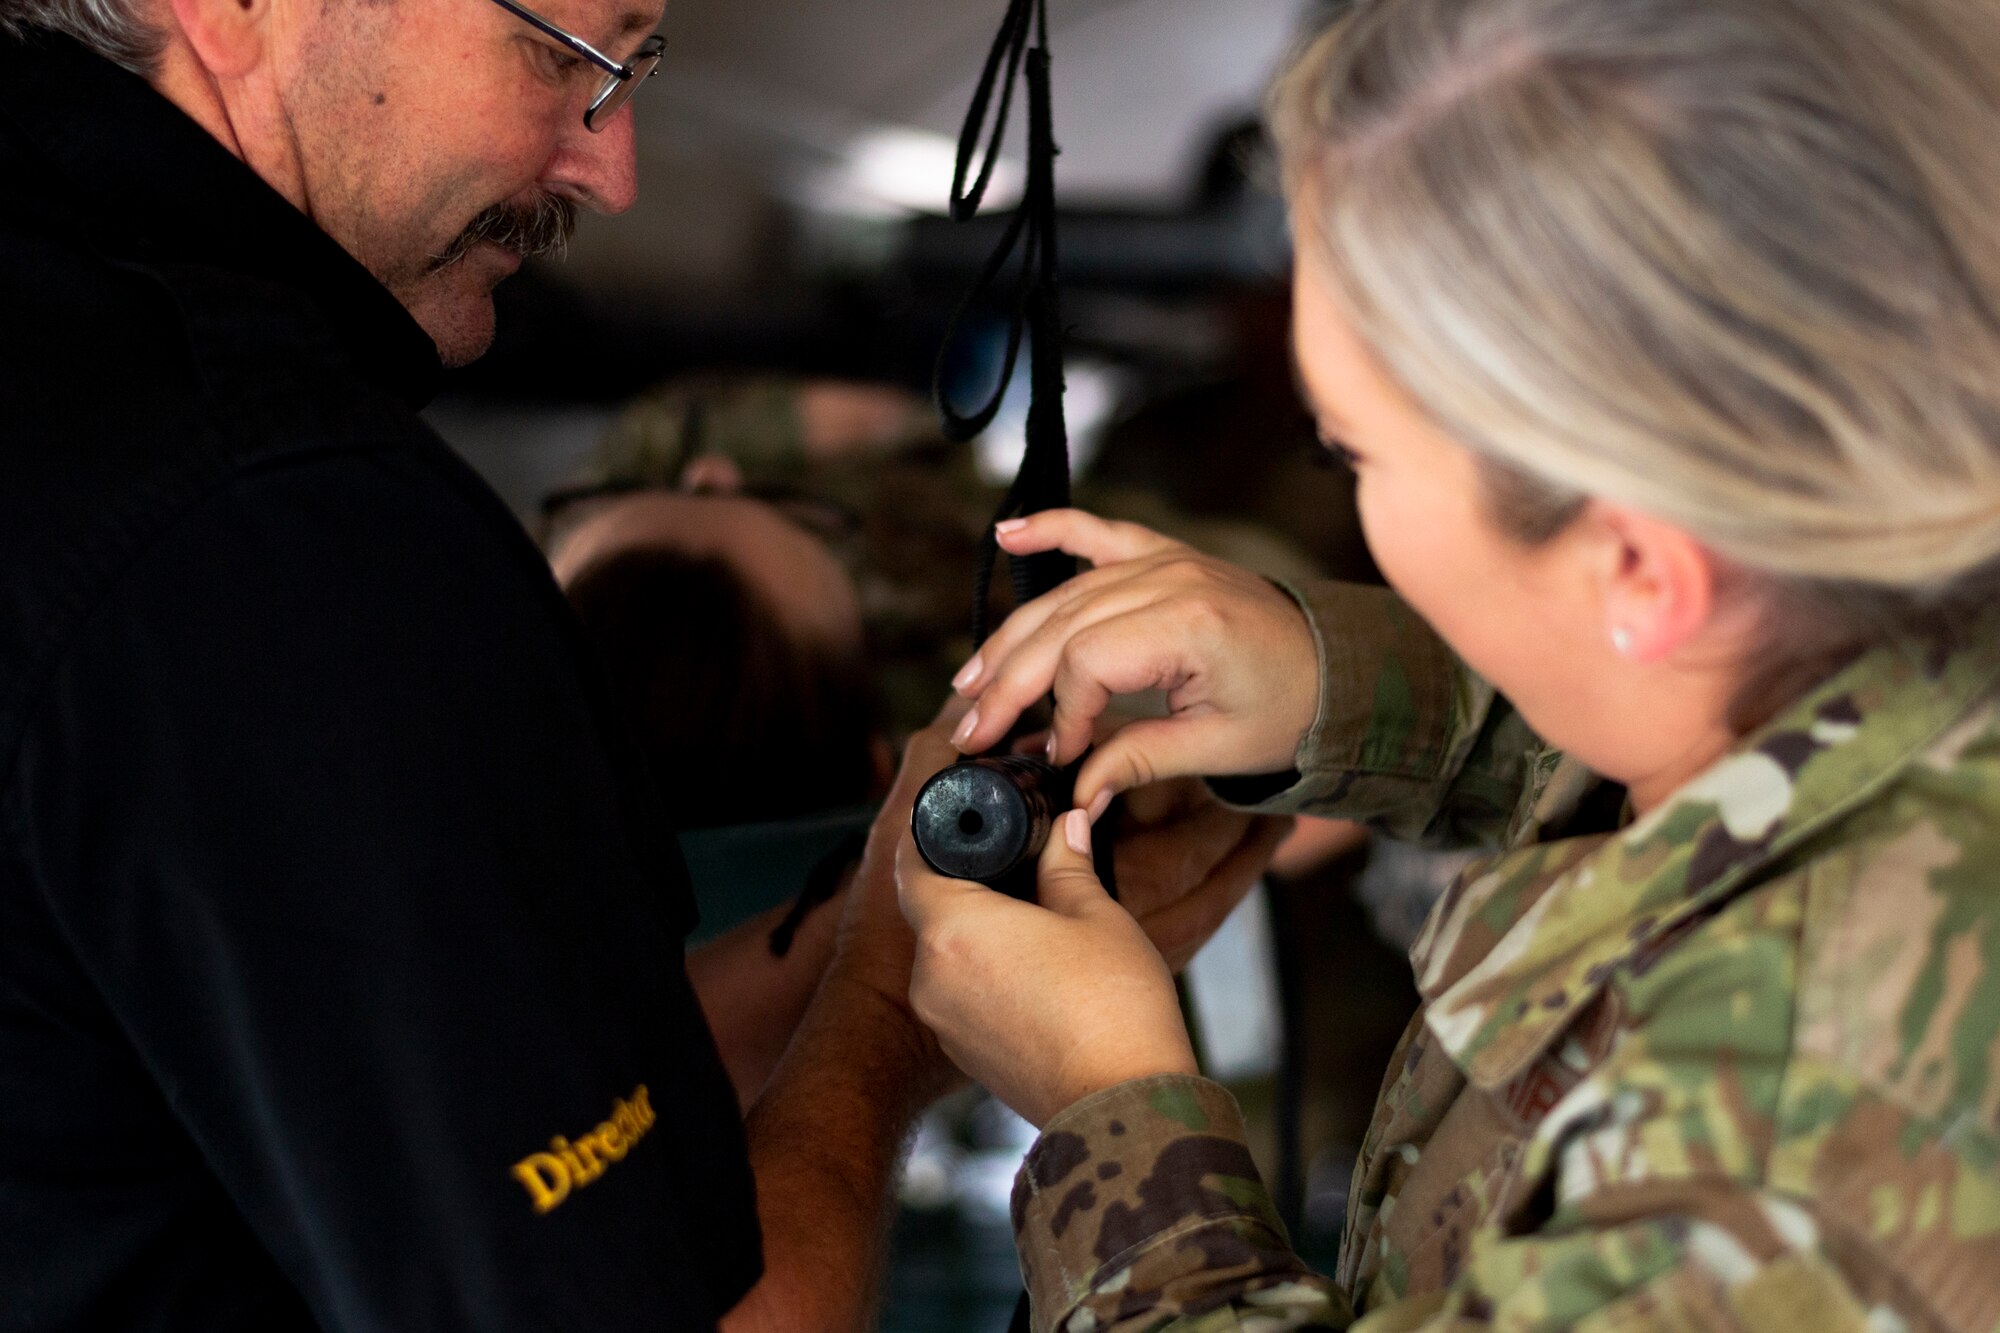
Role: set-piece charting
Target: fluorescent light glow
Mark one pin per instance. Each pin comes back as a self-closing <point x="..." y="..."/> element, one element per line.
<point x="893" y="170"/>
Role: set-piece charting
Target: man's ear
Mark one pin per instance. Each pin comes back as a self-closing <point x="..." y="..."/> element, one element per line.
<point x="1658" y="583"/>
<point x="229" y="37"/>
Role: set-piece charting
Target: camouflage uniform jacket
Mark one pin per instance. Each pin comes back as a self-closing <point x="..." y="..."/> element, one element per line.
<point x="1733" y="1065"/>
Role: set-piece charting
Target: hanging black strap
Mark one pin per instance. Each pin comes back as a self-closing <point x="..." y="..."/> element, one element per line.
<point x="1042" y="482"/>
<point x="1034" y="309"/>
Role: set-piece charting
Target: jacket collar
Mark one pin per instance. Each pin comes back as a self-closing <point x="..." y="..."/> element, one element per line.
<point x="1522" y="942"/>
<point x="149" y="185"/>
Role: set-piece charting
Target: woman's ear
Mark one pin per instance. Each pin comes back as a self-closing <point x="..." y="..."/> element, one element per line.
<point x="1658" y="584"/>
<point x="228" y="37"/>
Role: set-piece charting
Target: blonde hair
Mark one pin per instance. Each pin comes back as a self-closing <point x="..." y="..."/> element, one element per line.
<point x="1735" y="263"/>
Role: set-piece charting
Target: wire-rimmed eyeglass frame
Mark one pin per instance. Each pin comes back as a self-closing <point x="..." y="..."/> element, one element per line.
<point x="620" y="81"/>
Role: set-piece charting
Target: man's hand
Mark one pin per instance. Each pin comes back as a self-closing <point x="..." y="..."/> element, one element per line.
<point x="826" y="1135"/>
<point x="1233" y="654"/>
<point x="873" y="944"/>
<point x="754" y="1000"/>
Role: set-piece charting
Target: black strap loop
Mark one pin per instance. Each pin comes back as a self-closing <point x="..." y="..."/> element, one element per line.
<point x="1034" y="312"/>
<point x="1008" y="48"/>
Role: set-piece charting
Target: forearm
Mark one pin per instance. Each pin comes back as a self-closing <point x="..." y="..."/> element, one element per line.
<point x="753" y="999"/>
<point x="826" y="1138"/>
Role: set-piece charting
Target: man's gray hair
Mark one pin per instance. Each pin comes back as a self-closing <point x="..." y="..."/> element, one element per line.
<point x="115" y="29"/>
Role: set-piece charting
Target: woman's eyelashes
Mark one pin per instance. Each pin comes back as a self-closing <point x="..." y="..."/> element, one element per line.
<point x="1339" y="450"/>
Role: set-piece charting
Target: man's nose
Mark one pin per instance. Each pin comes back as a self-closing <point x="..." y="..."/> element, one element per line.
<point x="599" y="170"/>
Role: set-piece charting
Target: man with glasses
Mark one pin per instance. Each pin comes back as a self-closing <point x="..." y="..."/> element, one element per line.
<point x="340" y="959"/>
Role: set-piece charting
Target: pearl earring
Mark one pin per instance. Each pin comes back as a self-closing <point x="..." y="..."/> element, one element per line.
<point x="1621" y="641"/>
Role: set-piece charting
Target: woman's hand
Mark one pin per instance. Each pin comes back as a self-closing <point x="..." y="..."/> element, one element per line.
<point x="1042" y="1004"/>
<point x="1233" y="654"/>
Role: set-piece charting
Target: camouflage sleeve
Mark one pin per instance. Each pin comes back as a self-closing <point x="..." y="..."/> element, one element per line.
<point x="1140" y="1209"/>
<point x="1406" y="738"/>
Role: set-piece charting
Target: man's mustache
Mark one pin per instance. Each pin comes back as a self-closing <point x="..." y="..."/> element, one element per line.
<point x="541" y="227"/>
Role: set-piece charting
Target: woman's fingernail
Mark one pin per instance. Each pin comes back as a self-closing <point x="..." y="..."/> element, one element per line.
<point x="1006" y="526"/>
<point x="966" y="727"/>
<point x="968" y="673"/>
<point x="1049" y="748"/>
<point x="1076" y="832"/>
<point x="1099" y="804"/>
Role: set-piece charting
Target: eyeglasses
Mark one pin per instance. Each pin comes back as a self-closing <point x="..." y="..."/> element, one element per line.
<point x="620" y="81"/>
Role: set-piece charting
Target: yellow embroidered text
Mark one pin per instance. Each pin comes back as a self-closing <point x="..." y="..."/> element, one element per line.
<point x="550" y="1176"/>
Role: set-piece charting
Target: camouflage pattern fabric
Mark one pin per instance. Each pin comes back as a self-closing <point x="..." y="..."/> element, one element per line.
<point x="1427" y="753"/>
<point x="1735" y="1065"/>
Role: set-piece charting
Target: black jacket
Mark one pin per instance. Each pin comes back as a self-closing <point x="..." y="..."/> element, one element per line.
<point x="340" y="960"/>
